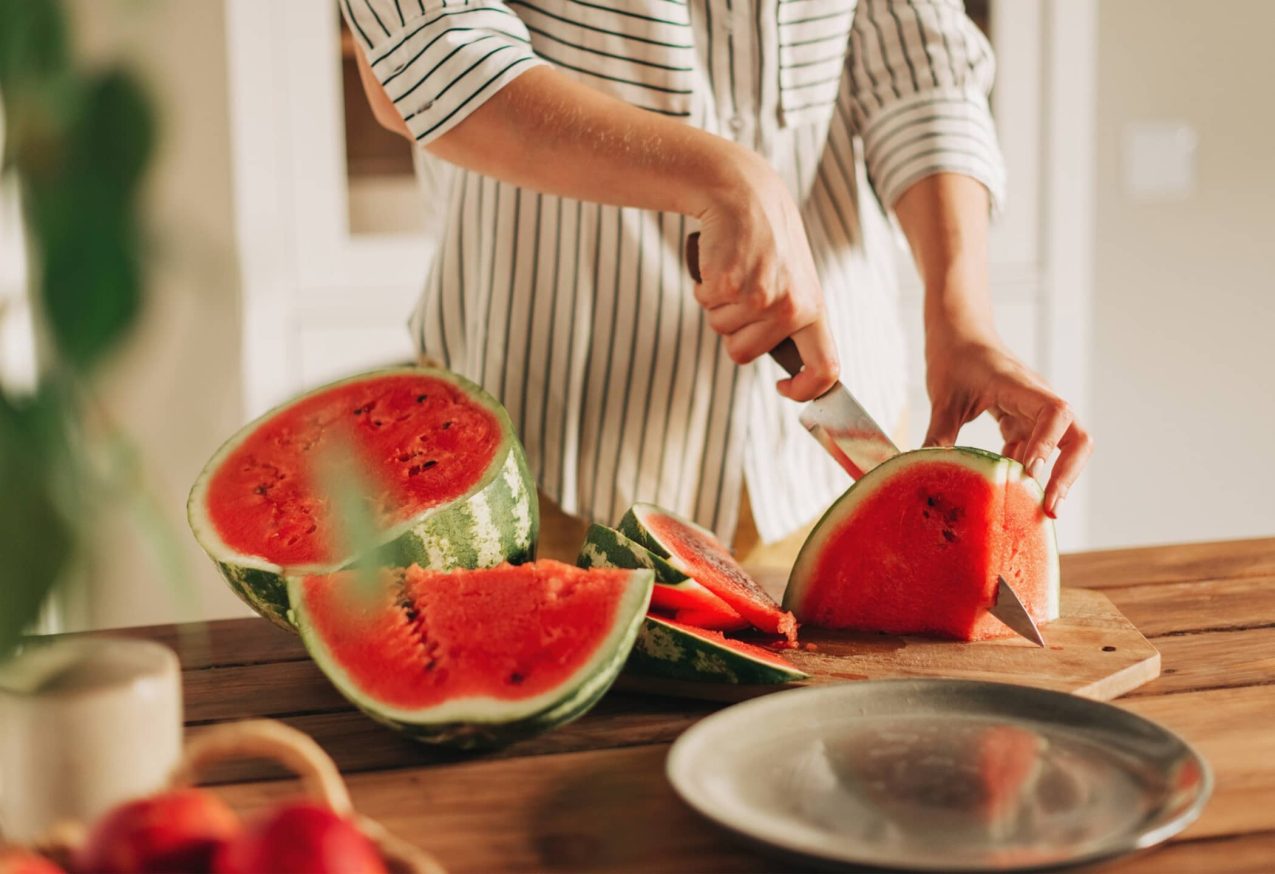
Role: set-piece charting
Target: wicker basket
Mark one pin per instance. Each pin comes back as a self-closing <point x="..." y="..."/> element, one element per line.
<point x="294" y="750"/>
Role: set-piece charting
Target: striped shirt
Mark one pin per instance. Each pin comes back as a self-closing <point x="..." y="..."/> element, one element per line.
<point x="581" y="318"/>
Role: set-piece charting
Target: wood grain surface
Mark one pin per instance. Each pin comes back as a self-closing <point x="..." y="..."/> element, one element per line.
<point x="592" y="796"/>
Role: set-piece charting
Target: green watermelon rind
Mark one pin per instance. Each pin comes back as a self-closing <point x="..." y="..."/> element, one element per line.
<point x="632" y="527"/>
<point x="483" y="722"/>
<point x="502" y="503"/>
<point x="607" y="547"/>
<point x="663" y="650"/>
<point x="998" y="469"/>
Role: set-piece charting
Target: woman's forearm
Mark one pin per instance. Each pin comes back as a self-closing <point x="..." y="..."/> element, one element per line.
<point x="549" y="133"/>
<point x="944" y="218"/>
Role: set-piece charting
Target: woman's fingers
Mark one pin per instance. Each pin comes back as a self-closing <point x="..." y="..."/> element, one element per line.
<point x="821" y="367"/>
<point x="1075" y="446"/>
<point x="1053" y="418"/>
<point x="728" y="318"/>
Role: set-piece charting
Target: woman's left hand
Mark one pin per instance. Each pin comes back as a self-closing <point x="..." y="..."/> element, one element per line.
<point x="966" y="377"/>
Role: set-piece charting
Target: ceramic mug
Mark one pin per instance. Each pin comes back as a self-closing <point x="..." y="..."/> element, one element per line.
<point x="85" y="723"/>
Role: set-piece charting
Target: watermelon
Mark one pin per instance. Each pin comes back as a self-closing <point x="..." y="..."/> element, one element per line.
<point x="916" y="545"/>
<point x="674" y="591"/>
<point x="697" y="552"/>
<point x="472" y="658"/>
<point x="672" y="650"/>
<point x="450" y="483"/>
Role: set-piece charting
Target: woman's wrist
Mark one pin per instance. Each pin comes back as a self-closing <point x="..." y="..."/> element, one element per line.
<point x="729" y="179"/>
<point x="958" y="315"/>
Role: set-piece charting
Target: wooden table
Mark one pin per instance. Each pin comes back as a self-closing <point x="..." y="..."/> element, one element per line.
<point x="591" y="796"/>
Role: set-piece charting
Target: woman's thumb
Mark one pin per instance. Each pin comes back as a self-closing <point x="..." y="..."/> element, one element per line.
<point x="944" y="426"/>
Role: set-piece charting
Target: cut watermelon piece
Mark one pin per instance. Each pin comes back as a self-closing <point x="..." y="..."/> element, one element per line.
<point x="674" y="591"/>
<point x="669" y="649"/>
<point x="697" y="552"/>
<point x="472" y="658"/>
<point x="450" y="481"/>
<point x="915" y="547"/>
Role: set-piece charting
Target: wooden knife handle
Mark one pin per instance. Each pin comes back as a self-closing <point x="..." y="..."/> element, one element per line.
<point x="786" y="352"/>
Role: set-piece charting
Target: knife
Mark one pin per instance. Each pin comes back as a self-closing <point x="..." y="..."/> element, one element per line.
<point x="856" y="442"/>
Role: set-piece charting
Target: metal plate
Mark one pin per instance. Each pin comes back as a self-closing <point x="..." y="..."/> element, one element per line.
<point x="940" y="775"/>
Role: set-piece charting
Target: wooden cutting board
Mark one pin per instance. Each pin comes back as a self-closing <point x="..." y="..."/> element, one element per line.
<point x="1091" y="650"/>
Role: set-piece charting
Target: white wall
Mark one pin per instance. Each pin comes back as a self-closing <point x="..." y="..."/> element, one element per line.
<point x="1184" y="310"/>
<point x="176" y="388"/>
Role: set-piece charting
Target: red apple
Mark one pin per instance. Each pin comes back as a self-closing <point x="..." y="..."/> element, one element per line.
<point x="173" y="831"/>
<point x="300" y="838"/>
<point x="15" y="860"/>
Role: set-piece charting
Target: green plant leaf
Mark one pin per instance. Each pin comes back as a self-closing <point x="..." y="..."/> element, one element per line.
<point x="82" y="178"/>
<point x="33" y="40"/>
<point x="36" y="537"/>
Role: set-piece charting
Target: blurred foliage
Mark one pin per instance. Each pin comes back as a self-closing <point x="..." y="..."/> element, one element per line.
<point x="77" y="142"/>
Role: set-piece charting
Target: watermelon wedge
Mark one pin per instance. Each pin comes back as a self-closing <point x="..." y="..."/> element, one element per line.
<point x="450" y="480"/>
<point x="915" y="547"/>
<point x="669" y="649"/>
<point x="674" y="591"/>
<point x="697" y="552"/>
<point x="472" y="658"/>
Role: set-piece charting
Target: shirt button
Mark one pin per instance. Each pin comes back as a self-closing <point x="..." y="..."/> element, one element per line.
<point x="736" y="123"/>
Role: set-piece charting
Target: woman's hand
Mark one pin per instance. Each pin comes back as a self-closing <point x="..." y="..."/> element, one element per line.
<point x="968" y="376"/>
<point x="759" y="283"/>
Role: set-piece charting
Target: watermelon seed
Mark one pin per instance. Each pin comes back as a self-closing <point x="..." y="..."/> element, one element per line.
<point x="516" y="678"/>
<point x="427" y="465"/>
<point x="949" y="535"/>
<point x="1108" y="649"/>
<point x="260" y="490"/>
<point x="420" y="399"/>
<point x="446" y="425"/>
<point x="931" y="501"/>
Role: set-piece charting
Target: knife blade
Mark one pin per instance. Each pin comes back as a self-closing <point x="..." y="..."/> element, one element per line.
<point x="1010" y="610"/>
<point x="839" y="422"/>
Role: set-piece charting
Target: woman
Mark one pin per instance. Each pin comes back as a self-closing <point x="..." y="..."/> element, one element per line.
<point x="592" y="138"/>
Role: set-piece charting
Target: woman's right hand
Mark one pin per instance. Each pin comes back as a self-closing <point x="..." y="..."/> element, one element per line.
<point x="759" y="284"/>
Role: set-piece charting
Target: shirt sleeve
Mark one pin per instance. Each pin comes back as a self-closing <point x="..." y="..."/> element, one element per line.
<point x="919" y="73"/>
<point x="439" y="60"/>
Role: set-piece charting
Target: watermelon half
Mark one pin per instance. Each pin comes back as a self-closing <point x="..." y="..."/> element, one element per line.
<point x="472" y="658"/>
<point x="450" y="481"/>
<point x="697" y="552"/>
<point x="674" y="591"/>
<point x="669" y="649"/>
<point x="916" y="545"/>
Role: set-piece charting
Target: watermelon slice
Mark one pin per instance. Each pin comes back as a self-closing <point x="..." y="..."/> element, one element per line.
<point x="669" y="649"/>
<point x="916" y="545"/>
<point x="674" y="591"/>
<point x="697" y="552"/>
<point x="452" y="488"/>
<point x="472" y="658"/>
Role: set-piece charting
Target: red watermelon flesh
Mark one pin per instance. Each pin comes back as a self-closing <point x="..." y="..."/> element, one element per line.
<point x="697" y="553"/>
<point x="690" y="595"/>
<point x="915" y="547"/>
<point x="720" y="620"/>
<point x="424" y="440"/>
<point x="509" y="632"/>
